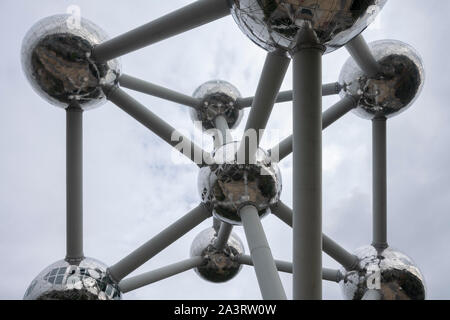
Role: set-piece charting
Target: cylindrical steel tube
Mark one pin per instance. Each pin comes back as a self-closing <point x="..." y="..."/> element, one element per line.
<point x="307" y="175"/>
<point x="223" y="235"/>
<point x="147" y="278"/>
<point x="189" y="17"/>
<point x="139" y="85"/>
<point x="379" y="183"/>
<point x="364" y="58"/>
<point x="266" y="272"/>
<point x="272" y="77"/>
<point x="158" y="126"/>
<point x="334" y="250"/>
<point x="331" y="115"/>
<point x="161" y="241"/>
<point x="74" y="179"/>
<point x="224" y="130"/>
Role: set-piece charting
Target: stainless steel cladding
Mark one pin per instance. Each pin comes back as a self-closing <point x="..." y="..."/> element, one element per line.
<point x="228" y="185"/>
<point x="394" y="89"/>
<point x="86" y="280"/>
<point x="56" y="61"/>
<point x="219" y="98"/>
<point x="282" y="24"/>
<point x="220" y="265"/>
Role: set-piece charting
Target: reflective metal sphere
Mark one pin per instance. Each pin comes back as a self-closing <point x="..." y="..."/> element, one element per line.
<point x="283" y="24"/>
<point x="87" y="280"/>
<point x="218" y="98"/>
<point x="388" y="274"/>
<point x="394" y="89"/>
<point x="220" y="266"/>
<point x="227" y="186"/>
<point x="56" y="61"/>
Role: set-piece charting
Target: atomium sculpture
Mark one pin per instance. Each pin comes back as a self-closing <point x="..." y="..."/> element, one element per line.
<point x="239" y="183"/>
<point x="56" y="60"/>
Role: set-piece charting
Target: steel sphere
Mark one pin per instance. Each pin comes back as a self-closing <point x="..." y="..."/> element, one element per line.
<point x="56" y="61"/>
<point x="87" y="280"/>
<point x="282" y="24"/>
<point x="389" y="273"/>
<point x="227" y="186"/>
<point x="218" y="98"/>
<point x="220" y="266"/>
<point x="393" y="90"/>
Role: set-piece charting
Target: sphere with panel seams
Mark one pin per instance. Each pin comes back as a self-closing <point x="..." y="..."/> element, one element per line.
<point x="85" y="280"/>
<point x="217" y="98"/>
<point x="285" y="24"/>
<point x="385" y="274"/>
<point x="56" y="59"/>
<point x="232" y="183"/>
<point x="394" y="89"/>
<point x="220" y="265"/>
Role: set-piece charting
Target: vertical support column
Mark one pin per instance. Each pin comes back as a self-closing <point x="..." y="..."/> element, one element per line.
<point x="307" y="180"/>
<point x="147" y="278"/>
<point x="379" y="183"/>
<point x="223" y="132"/>
<point x="74" y="180"/>
<point x="266" y="271"/>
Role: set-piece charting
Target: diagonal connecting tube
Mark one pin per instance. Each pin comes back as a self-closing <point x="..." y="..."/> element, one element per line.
<point x="223" y="235"/>
<point x="272" y="76"/>
<point x="158" y="126"/>
<point x="266" y="272"/>
<point x="379" y="180"/>
<point x="161" y="241"/>
<point x="74" y="180"/>
<point x="345" y="258"/>
<point x="139" y="85"/>
<point x="360" y="51"/>
<point x="362" y="55"/>
<point x="286" y="96"/>
<point x="223" y="134"/>
<point x="189" y="17"/>
<point x="147" y="278"/>
<point x="284" y="266"/>
<point x="331" y="115"/>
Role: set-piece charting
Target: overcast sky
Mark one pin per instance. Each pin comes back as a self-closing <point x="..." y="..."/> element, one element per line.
<point x="132" y="190"/>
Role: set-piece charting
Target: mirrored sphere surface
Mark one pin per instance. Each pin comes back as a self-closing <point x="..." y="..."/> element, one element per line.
<point x="385" y="274"/>
<point x="218" y="98"/>
<point x="281" y="24"/>
<point x="220" y="266"/>
<point x="394" y="89"/>
<point x="87" y="280"/>
<point x="56" y="61"/>
<point x="229" y="185"/>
